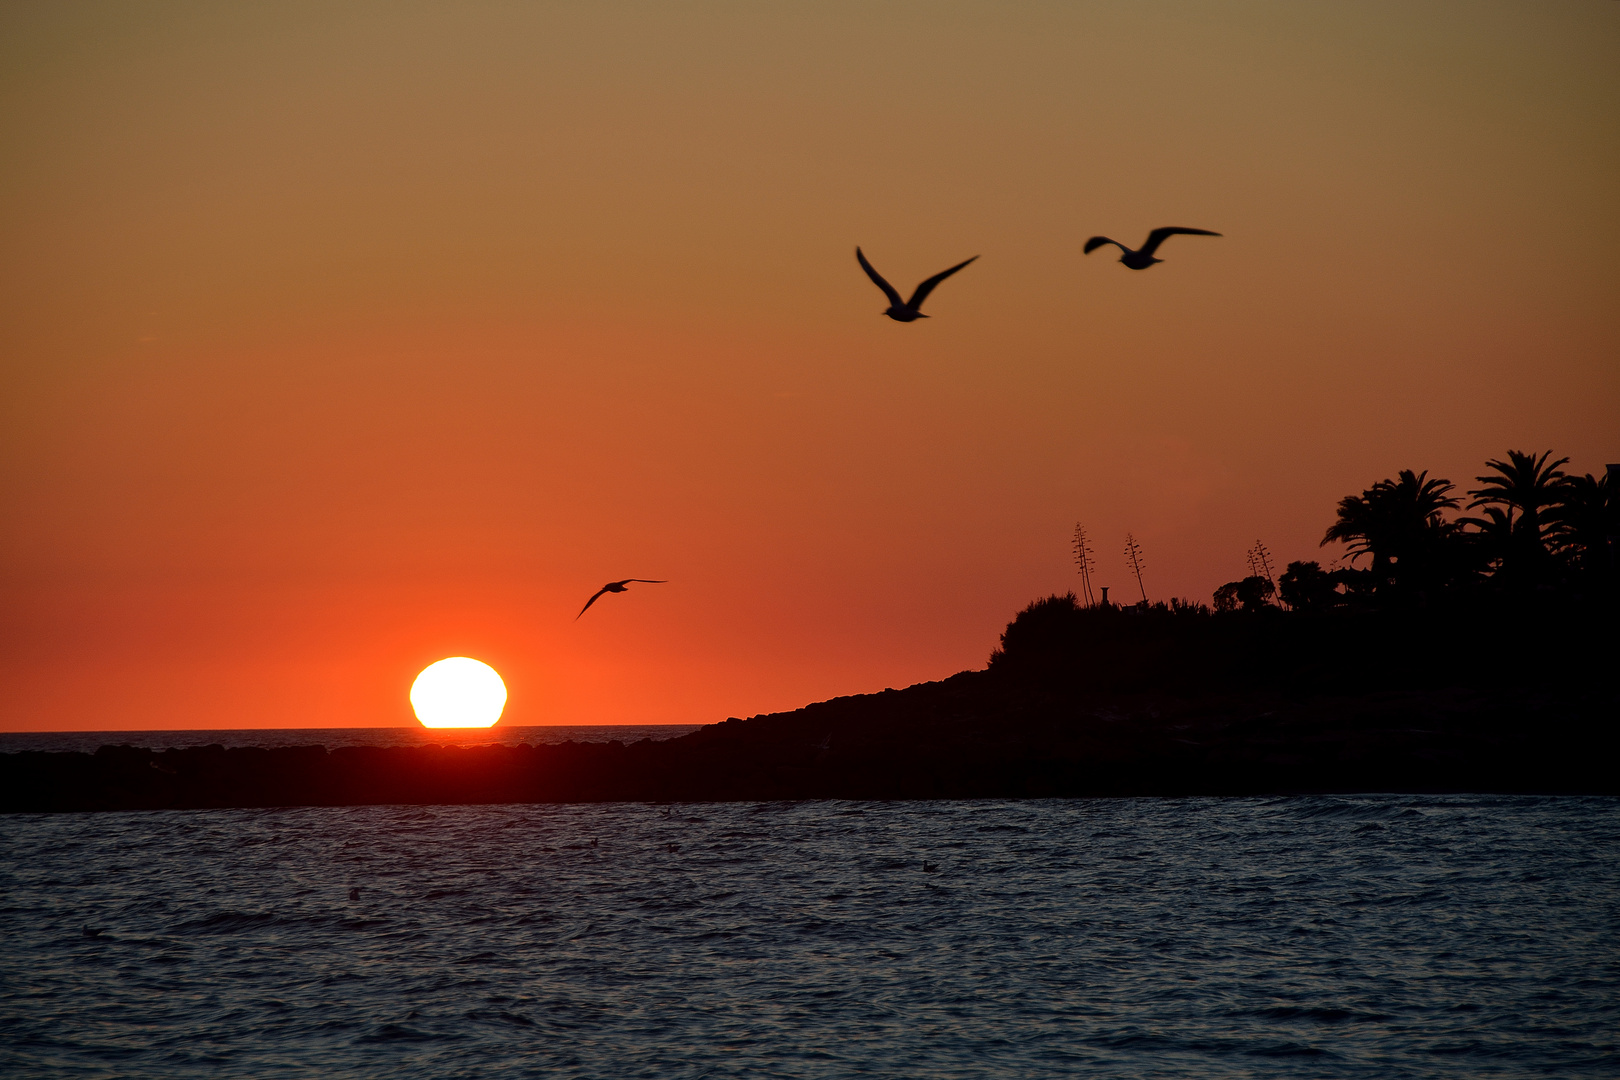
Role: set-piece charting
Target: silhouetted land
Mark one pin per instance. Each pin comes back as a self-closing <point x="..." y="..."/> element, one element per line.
<point x="1077" y="702"/>
<point x="1471" y="654"/>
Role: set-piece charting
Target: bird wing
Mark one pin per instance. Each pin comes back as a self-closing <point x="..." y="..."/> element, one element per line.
<point x="589" y="602"/>
<point x="1159" y="236"/>
<point x="644" y="581"/>
<point x="1098" y="241"/>
<point x="877" y="279"/>
<point x="928" y="286"/>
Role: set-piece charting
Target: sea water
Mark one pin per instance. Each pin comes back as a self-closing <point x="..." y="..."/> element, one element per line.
<point x="1378" y="936"/>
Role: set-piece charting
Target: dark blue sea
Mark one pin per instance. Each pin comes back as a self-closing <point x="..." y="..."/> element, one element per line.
<point x="1376" y="937"/>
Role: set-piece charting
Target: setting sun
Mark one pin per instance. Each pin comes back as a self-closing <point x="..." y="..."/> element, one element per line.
<point x="458" y="692"/>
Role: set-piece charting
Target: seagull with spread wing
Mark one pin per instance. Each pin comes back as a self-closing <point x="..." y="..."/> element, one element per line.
<point x="1141" y="260"/>
<point x="616" y="586"/>
<point x="906" y="311"/>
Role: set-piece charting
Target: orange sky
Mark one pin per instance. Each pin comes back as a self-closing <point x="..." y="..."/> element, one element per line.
<point x="338" y="339"/>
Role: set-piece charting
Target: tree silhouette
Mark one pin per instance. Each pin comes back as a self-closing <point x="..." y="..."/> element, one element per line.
<point x="1251" y="594"/>
<point x="1522" y="488"/>
<point x="1582" y="523"/>
<point x="1307" y="587"/>
<point x="1401" y="524"/>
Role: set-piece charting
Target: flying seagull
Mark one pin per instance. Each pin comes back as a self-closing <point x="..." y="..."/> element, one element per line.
<point x="616" y="586"/>
<point x="1141" y="260"/>
<point x="906" y="311"/>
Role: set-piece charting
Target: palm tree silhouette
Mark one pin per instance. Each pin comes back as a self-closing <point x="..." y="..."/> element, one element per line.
<point x="1522" y="489"/>
<point x="1401" y="524"/>
<point x="1581" y="523"/>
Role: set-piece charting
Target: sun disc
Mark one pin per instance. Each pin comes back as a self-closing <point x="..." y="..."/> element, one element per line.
<point x="458" y="692"/>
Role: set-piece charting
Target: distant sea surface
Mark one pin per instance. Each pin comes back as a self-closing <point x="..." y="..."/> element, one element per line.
<point x="1375" y="937"/>
<point x="331" y="738"/>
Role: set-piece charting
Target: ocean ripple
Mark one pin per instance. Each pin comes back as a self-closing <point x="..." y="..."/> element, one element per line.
<point x="1378" y="936"/>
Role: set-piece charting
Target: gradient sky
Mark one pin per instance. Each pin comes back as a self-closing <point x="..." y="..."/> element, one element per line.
<point x="340" y="338"/>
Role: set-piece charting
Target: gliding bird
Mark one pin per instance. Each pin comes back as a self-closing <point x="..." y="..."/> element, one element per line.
<point x="1141" y="260"/>
<point x="616" y="586"/>
<point x="906" y="311"/>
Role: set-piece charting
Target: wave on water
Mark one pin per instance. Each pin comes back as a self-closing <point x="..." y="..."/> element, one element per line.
<point x="1467" y="936"/>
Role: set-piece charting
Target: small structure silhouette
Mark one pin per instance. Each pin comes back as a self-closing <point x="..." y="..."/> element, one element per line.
<point x="908" y="310"/>
<point x="1143" y="258"/>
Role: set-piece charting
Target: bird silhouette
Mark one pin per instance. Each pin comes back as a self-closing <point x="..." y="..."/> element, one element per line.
<point x="1141" y="260"/>
<point x="906" y="311"/>
<point x="616" y="586"/>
